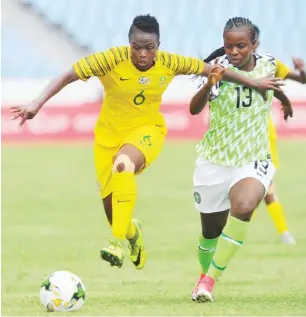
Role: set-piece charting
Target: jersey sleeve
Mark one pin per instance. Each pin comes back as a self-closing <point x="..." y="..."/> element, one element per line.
<point x="182" y="65"/>
<point x="282" y="70"/>
<point x="100" y="64"/>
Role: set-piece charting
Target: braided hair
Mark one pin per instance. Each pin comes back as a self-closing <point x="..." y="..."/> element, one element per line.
<point x="238" y="22"/>
<point x="234" y="23"/>
<point x="257" y="32"/>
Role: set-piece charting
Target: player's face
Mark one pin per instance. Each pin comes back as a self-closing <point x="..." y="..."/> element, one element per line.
<point x="238" y="47"/>
<point x="143" y="49"/>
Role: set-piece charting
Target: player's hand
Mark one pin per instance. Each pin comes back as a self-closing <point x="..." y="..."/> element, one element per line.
<point x="287" y="109"/>
<point x="299" y="64"/>
<point x="24" y="113"/>
<point x="266" y="83"/>
<point x="215" y="75"/>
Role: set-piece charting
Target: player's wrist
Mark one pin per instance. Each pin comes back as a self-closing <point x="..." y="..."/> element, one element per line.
<point x="209" y="85"/>
<point x="38" y="104"/>
<point x="253" y="83"/>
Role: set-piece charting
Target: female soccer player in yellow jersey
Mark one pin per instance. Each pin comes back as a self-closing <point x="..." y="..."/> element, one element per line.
<point x="274" y="206"/>
<point x="130" y="130"/>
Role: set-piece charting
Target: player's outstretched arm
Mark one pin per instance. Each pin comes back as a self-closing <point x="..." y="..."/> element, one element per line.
<point x="200" y="99"/>
<point x="299" y="75"/>
<point x="260" y="84"/>
<point x="285" y="102"/>
<point x="30" y="110"/>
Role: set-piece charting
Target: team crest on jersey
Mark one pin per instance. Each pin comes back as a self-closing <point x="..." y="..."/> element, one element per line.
<point x="144" y="80"/>
<point x="163" y="80"/>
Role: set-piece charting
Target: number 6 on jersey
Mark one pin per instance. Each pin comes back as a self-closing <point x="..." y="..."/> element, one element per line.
<point x="139" y="99"/>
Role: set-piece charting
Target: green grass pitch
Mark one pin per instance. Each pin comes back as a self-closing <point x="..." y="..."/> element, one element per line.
<point x="52" y="219"/>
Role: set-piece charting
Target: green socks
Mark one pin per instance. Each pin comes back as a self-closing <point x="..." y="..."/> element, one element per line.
<point x="230" y="241"/>
<point x="206" y="250"/>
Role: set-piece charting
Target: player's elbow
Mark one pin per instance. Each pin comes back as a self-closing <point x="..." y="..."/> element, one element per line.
<point x="195" y="108"/>
<point x="193" y="111"/>
<point x="70" y="76"/>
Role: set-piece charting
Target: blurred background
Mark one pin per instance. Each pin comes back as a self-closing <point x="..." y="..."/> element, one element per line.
<point x="53" y="33"/>
<point x="52" y="218"/>
<point x="42" y="38"/>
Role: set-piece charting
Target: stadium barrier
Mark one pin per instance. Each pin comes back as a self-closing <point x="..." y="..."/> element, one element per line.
<point x="76" y="123"/>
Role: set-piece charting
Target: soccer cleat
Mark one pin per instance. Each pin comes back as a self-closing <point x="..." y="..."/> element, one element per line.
<point x="138" y="254"/>
<point x="113" y="254"/>
<point x="194" y="291"/>
<point x="288" y="238"/>
<point x="203" y="292"/>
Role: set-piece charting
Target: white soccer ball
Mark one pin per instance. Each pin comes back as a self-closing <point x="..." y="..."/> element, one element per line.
<point x="62" y="291"/>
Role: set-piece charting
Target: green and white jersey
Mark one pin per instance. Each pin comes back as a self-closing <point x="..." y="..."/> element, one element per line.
<point x="239" y="117"/>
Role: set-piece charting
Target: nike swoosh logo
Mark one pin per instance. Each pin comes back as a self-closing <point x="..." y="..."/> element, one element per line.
<point x="122" y="201"/>
<point x="122" y="78"/>
<point x="205" y="249"/>
<point x="137" y="262"/>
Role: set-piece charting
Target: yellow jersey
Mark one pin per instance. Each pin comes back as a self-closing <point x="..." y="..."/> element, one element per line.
<point x="132" y="97"/>
<point x="282" y="70"/>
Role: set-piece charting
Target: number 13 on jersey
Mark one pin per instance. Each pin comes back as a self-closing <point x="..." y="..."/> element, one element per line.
<point x="247" y="100"/>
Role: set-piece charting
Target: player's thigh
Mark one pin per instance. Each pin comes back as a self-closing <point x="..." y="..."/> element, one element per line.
<point x="103" y="159"/>
<point x="210" y="187"/>
<point x="249" y="186"/>
<point x="149" y="140"/>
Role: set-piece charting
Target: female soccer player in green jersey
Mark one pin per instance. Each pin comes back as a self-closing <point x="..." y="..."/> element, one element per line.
<point x="274" y="206"/>
<point x="234" y="169"/>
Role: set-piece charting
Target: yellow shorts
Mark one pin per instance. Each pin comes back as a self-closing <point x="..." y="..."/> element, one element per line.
<point x="148" y="139"/>
<point x="273" y="143"/>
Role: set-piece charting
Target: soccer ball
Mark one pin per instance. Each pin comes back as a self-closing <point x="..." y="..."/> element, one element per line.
<point x="62" y="291"/>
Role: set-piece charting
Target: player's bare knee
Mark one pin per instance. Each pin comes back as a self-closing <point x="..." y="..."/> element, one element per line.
<point x="242" y="209"/>
<point x="120" y="167"/>
<point x="270" y="198"/>
<point x="123" y="164"/>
